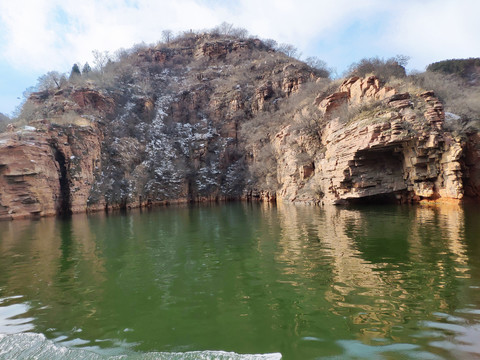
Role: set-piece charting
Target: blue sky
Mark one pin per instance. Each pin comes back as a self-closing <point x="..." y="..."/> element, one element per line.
<point x="37" y="36"/>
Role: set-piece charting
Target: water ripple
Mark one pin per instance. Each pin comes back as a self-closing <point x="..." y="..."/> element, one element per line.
<point x="36" y="346"/>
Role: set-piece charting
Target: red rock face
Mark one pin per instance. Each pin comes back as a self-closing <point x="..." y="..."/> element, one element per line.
<point x="361" y="90"/>
<point x="33" y="162"/>
<point x="84" y="101"/>
<point x="216" y="50"/>
<point x="220" y="49"/>
<point x="93" y="99"/>
<point x="331" y="103"/>
<point x="435" y="113"/>
<point x="28" y="176"/>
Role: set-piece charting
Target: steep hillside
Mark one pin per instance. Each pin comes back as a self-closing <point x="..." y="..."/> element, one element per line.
<point x="168" y="121"/>
<point x="210" y="117"/>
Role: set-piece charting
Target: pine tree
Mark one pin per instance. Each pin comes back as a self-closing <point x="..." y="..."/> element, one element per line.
<point x="86" y="68"/>
<point x="75" y="72"/>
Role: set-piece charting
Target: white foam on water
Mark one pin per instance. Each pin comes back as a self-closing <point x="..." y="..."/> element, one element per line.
<point x="35" y="346"/>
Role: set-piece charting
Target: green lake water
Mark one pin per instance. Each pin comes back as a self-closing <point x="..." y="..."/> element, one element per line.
<point x="243" y="281"/>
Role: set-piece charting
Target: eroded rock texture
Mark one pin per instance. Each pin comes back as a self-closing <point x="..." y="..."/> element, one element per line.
<point x="47" y="170"/>
<point x="393" y="147"/>
<point x="174" y="124"/>
<point x="161" y="126"/>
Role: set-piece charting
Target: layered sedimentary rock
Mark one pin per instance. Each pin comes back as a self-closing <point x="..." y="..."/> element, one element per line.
<point x="382" y="145"/>
<point x="171" y="124"/>
<point x="47" y="169"/>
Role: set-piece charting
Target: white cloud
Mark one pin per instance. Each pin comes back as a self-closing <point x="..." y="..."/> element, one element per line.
<point x="27" y="32"/>
<point x="300" y="22"/>
<point x="430" y="31"/>
<point x="42" y="35"/>
<point x="46" y="34"/>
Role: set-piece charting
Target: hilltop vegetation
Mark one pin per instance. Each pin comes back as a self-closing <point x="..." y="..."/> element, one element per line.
<point x="467" y="69"/>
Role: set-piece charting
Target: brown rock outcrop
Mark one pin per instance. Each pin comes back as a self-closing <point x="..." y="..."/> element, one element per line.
<point x="87" y="101"/>
<point x="293" y="79"/>
<point x="28" y="176"/>
<point x="262" y="94"/>
<point x="361" y="90"/>
<point x="47" y="171"/>
<point x="372" y="160"/>
<point x="434" y="113"/>
<point x="331" y="103"/>
<point x="215" y="49"/>
<point x="356" y="91"/>
<point x="93" y="99"/>
<point x="385" y="153"/>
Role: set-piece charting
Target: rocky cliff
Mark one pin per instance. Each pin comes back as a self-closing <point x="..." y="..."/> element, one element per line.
<point x="210" y="118"/>
<point x="47" y="169"/>
<point x="380" y="145"/>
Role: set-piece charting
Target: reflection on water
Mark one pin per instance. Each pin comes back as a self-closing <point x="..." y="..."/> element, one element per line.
<point x="307" y="282"/>
<point x="390" y="270"/>
<point x="11" y="319"/>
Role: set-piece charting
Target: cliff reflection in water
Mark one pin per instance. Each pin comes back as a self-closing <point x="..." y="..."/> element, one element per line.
<point x="303" y="281"/>
<point x="54" y="267"/>
<point x="391" y="267"/>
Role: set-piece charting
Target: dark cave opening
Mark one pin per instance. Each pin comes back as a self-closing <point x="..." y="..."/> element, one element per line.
<point x="64" y="206"/>
<point x="471" y="171"/>
<point x="376" y="176"/>
<point x="379" y="199"/>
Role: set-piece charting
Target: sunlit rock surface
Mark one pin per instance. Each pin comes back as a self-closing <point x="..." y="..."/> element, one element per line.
<point x="168" y="124"/>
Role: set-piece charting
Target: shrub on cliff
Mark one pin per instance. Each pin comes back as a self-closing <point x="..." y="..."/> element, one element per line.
<point x="229" y="30"/>
<point x="321" y="68"/>
<point x="383" y="69"/>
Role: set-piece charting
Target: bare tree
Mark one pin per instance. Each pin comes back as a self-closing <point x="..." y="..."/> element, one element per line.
<point x="321" y="66"/>
<point x="402" y="60"/>
<point x="270" y="43"/>
<point x="289" y="50"/>
<point x="241" y="33"/>
<point x="167" y="36"/>
<point x="225" y="28"/>
<point x="100" y="60"/>
<point x="121" y="54"/>
<point x="51" y="80"/>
